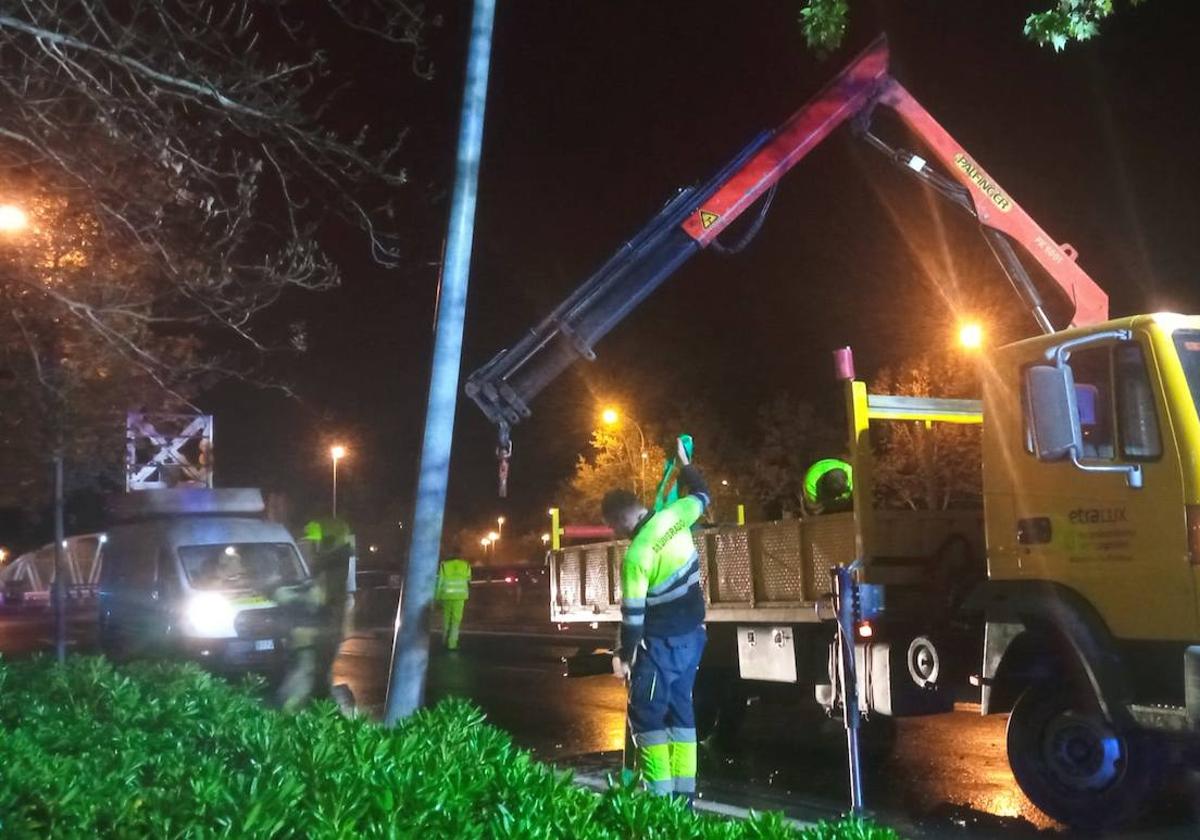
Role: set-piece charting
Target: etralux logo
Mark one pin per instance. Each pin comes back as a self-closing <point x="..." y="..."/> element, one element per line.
<point x="1097" y="516"/>
<point x="980" y="179"/>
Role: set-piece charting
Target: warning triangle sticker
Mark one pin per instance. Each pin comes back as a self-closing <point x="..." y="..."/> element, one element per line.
<point x="708" y="219"/>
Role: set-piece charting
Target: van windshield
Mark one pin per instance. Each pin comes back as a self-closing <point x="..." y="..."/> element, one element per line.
<point x="1187" y="343"/>
<point x="234" y="566"/>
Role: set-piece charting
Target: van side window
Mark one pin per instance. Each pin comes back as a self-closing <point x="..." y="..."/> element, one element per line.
<point x="1136" y="414"/>
<point x="138" y="569"/>
<point x="1093" y="395"/>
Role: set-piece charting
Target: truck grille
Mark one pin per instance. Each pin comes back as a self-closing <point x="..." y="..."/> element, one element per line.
<point x="269" y="623"/>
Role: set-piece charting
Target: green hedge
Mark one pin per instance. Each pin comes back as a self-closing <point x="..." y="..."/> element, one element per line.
<point x="157" y="750"/>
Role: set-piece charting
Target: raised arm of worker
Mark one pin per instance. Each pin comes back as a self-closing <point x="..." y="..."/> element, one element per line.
<point x="692" y="506"/>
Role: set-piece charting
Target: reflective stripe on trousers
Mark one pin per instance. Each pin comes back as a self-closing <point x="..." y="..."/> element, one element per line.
<point x="661" y="717"/>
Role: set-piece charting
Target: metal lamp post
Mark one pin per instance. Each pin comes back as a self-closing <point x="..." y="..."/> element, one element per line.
<point x="336" y="452"/>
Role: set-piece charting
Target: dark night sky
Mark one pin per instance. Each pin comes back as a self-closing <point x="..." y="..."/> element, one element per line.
<point x="599" y="111"/>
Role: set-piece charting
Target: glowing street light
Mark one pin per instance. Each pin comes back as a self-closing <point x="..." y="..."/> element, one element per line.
<point x="493" y="536"/>
<point x="336" y="452"/>
<point x="610" y="416"/>
<point x="12" y="219"/>
<point x="485" y="542"/>
<point x="500" y="520"/>
<point x="970" y="335"/>
<point x="545" y="539"/>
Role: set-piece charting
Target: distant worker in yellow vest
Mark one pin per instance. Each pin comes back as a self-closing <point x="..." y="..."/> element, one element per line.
<point x="829" y="486"/>
<point x="453" y="590"/>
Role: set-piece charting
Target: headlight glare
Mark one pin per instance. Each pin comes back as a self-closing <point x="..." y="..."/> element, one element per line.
<point x="210" y="616"/>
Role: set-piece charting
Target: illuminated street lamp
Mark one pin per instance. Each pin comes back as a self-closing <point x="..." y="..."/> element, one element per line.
<point x="12" y="219"/>
<point x="970" y="335"/>
<point x="500" y="520"/>
<point x="336" y="452"/>
<point x="545" y="539"/>
<point x="612" y="417"/>
<point x="493" y="536"/>
<point x="485" y="542"/>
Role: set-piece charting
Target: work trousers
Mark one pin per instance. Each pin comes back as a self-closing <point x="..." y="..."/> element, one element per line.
<point x="661" y="717"/>
<point x="308" y="674"/>
<point x="452" y="616"/>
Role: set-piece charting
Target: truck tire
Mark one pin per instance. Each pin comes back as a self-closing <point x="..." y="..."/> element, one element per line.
<point x="1076" y="766"/>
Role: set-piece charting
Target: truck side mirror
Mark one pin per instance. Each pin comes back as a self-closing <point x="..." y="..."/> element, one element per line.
<point x="1053" y="409"/>
<point x="1053" y="412"/>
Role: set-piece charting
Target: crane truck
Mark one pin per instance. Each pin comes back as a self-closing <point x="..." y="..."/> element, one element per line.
<point x="1087" y="549"/>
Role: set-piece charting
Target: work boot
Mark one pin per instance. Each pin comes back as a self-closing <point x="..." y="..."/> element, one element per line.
<point x="344" y="697"/>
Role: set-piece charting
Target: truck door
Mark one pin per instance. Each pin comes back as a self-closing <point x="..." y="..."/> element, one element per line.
<point x="1123" y="549"/>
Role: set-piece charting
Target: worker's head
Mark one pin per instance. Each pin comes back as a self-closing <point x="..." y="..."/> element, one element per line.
<point x="327" y="533"/>
<point x="833" y="486"/>
<point x="622" y="511"/>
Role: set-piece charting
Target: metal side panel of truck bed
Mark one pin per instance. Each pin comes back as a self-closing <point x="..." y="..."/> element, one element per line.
<point x="770" y="572"/>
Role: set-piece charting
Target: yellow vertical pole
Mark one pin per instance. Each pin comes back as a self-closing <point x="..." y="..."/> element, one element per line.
<point x="555" y="531"/>
<point x="861" y="461"/>
<point x="741" y="514"/>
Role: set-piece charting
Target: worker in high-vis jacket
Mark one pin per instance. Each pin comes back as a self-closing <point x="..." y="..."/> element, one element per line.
<point x="662" y="628"/>
<point x="829" y="486"/>
<point x="316" y="609"/>
<point x="453" y="590"/>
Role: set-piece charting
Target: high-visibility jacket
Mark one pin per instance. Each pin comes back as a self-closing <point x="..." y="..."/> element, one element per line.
<point x="454" y="577"/>
<point x="660" y="575"/>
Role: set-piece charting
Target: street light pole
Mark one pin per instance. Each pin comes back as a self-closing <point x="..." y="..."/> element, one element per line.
<point x="336" y="452"/>
<point x="410" y="647"/>
<point x="611" y="417"/>
<point x="13" y="222"/>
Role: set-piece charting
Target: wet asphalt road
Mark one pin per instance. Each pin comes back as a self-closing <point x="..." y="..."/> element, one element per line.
<point x="937" y="777"/>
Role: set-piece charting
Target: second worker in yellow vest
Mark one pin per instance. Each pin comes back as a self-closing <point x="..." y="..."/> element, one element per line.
<point x="453" y="590"/>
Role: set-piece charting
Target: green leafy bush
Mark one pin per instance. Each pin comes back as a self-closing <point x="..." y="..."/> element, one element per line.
<point x="159" y="750"/>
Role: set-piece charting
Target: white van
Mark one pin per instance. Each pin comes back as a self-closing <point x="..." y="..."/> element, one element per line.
<point x="190" y="573"/>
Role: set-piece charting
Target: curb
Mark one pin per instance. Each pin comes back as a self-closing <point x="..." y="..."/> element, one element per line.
<point x="707" y="806"/>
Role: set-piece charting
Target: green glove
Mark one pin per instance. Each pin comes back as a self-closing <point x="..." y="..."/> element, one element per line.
<point x="668" y="490"/>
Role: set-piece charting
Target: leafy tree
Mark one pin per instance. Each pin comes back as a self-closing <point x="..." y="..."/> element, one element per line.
<point x="792" y="436"/>
<point x="721" y="454"/>
<point x="824" y="21"/>
<point x="177" y="161"/>
<point x="613" y="464"/>
<point x="934" y="467"/>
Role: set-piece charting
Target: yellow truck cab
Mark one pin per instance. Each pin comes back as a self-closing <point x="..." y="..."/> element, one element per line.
<point x="1091" y="484"/>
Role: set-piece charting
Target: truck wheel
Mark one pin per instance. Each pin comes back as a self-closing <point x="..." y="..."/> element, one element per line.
<point x="1076" y="766"/>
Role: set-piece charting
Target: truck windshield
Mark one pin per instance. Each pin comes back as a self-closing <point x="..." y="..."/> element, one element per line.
<point x="241" y="566"/>
<point x="1187" y="343"/>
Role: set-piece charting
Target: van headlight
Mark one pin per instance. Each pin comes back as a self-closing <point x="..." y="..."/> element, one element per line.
<point x="210" y="616"/>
